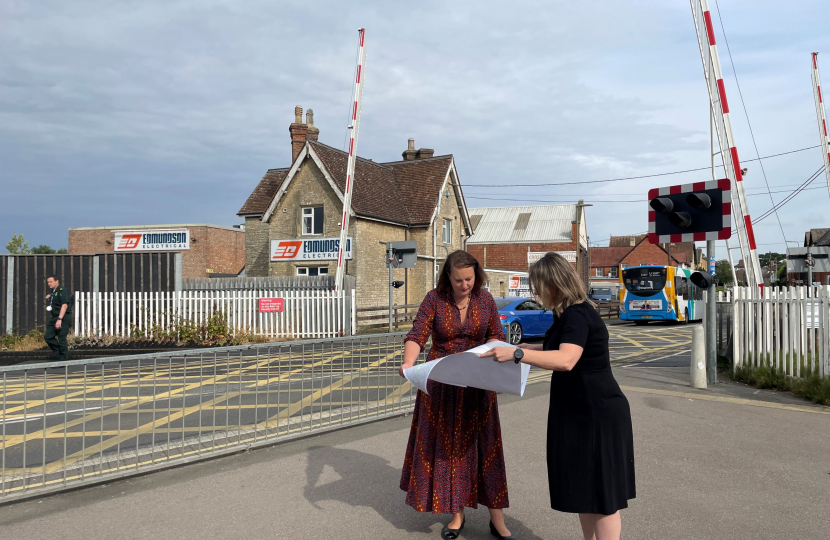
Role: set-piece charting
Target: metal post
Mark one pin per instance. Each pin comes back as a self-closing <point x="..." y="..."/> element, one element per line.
<point x="697" y="370"/>
<point x="179" y="265"/>
<point x="809" y="267"/>
<point x="391" y="287"/>
<point x="10" y="294"/>
<point x="711" y="324"/>
<point x="96" y="273"/>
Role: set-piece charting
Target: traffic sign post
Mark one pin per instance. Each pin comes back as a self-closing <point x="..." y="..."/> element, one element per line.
<point x="399" y="255"/>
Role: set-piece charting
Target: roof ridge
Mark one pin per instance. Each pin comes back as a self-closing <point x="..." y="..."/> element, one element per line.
<point x="358" y="158"/>
<point x="418" y="160"/>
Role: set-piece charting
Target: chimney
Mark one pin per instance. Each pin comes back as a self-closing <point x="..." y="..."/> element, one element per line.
<point x="632" y="241"/>
<point x="424" y="153"/>
<point x="313" y="132"/>
<point x="410" y="154"/>
<point x="298" y="132"/>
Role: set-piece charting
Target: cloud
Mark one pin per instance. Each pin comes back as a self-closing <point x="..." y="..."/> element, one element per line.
<point x="164" y="112"/>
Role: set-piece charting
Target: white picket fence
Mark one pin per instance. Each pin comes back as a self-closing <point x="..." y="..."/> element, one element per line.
<point x="306" y="314"/>
<point x="785" y="328"/>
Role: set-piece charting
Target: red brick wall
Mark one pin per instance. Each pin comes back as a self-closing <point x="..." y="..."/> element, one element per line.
<point x="220" y="250"/>
<point x="647" y="253"/>
<point x="512" y="256"/>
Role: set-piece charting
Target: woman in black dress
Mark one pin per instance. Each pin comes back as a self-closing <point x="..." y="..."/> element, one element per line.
<point x="590" y="449"/>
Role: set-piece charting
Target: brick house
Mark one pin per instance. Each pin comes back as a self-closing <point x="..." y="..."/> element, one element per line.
<point x="210" y="249"/>
<point x="418" y="198"/>
<point x="607" y="263"/>
<point x="504" y="237"/>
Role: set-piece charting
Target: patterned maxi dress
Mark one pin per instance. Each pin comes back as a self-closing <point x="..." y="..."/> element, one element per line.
<point x="454" y="457"/>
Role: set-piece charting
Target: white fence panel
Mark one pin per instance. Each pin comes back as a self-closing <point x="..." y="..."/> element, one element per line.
<point x="306" y="313"/>
<point x="786" y="328"/>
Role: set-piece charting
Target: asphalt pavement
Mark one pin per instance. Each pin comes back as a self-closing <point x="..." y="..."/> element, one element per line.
<point x="729" y="462"/>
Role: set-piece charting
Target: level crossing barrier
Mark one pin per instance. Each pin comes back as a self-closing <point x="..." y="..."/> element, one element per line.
<point x="69" y="424"/>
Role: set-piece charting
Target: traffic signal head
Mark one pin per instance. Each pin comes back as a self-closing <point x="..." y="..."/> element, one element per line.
<point x="701" y="280"/>
<point x="690" y="212"/>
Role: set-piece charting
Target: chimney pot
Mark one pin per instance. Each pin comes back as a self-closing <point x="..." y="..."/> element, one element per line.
<point x="298" y="115"/>
<point x="410" y="154"/>
<point x="313" y="132"/>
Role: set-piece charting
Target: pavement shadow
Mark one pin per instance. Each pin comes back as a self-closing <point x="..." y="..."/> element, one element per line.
<point x="366" y="480"/>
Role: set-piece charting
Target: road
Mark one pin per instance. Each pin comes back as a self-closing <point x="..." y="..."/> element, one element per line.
<point x="60" y="424"/>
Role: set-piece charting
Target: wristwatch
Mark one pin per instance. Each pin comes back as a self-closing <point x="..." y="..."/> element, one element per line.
<point x="518" y="354"/>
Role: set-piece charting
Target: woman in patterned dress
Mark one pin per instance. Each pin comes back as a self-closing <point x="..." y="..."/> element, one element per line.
<point x="454" y="458"/>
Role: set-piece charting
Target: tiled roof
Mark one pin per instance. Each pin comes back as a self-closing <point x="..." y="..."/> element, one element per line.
<point x="264" y="192"/>
<point x="817" y="237"/>
<point x="403" y="192"/>
<point x="607" y="257"/>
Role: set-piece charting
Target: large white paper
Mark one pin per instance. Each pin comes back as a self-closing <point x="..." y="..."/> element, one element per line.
<point x="467" y="369"/>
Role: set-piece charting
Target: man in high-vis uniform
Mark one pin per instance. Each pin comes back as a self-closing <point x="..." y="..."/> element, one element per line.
<point x="59" y="319"/>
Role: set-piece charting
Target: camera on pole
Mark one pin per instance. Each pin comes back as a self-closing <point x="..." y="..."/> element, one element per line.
<point x="690" y="212"/>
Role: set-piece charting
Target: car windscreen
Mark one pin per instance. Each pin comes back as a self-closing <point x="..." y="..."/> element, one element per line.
<point x="644" y="281"/>
<point x="601" y="291"/>
<point x="502" y="303"/>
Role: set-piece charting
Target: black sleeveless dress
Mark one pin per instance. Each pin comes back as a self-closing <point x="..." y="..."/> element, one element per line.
<point x="590" y="448"/>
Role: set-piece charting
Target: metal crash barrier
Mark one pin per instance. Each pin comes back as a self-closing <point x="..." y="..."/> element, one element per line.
<point x="67" y="424"/>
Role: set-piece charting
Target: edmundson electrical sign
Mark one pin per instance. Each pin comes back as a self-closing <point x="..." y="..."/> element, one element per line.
<point x="152" y="240"/>
<point x="319" y="249"/>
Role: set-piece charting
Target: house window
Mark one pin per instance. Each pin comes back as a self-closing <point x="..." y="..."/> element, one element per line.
<point x="599" y="272"/>
<point x="313" y="220"/>
<point x="312" y="270"/>
<point x="446" y="235"/>
<point x="623" y="266"/>
<point x="614" y="271"/>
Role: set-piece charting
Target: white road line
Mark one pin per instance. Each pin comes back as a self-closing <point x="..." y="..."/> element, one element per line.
<point x="656" y="359"/>
<point x="33" y="417"/>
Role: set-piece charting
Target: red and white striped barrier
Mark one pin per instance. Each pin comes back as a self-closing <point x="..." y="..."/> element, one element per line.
<point x="347" y="195"/>
<point x="729" y="152"/>
<point x="822" y="118"/>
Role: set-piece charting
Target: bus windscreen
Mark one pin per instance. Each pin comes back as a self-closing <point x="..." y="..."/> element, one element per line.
<point x="644" y="281"/>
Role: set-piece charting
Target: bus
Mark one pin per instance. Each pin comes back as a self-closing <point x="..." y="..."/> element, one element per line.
<point x="659" y="293"/>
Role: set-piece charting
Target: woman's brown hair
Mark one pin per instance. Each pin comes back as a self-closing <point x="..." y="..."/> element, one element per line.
<point x="556" y="284"/>
<point x="460" y="259"/>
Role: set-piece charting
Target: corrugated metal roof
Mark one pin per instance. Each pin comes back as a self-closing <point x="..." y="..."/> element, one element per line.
<point x="550" y="223"/>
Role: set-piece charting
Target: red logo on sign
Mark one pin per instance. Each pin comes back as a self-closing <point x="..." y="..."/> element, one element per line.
<point x="129" y="241"/>
<point x="514" y="282"/>
<point x="286" y="250"/>
<point x="271" y="305"/>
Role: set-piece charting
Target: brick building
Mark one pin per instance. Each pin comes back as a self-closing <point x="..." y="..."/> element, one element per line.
<point x="293" y="216"/>
<point x="206" y="249"/>
<point x="507" y="238"/>
<point x="607" y="263"/>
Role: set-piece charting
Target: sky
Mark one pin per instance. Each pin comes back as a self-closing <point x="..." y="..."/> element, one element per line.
<point x="162" y="112"/>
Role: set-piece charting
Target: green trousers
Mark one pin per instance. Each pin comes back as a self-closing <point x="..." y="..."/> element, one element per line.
<point x="56" y="339"/>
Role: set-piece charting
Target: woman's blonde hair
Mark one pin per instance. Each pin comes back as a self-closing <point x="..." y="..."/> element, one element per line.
<point x="556" y="284"/>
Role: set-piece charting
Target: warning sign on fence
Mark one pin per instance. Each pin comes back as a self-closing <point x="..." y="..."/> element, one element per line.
<point x="271" y="305"/>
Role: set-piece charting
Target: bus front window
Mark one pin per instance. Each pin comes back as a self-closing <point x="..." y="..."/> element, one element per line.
<point x="644" y="281"/>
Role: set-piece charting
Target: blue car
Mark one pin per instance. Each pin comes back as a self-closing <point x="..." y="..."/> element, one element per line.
<point x="523" y="318"/>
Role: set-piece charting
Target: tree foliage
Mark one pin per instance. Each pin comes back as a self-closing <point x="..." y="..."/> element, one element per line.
<point x="18" y="245"/>
<point x="723" y="272"/>
<point x="42" y="249"/>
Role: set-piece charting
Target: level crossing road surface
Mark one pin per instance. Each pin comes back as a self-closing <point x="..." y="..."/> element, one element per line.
<point x="59" y="423"/>
<point x="728" y="462"/>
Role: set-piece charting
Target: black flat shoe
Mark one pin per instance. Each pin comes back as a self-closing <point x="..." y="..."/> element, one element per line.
<point x="495" y="532"/>
<point x="452" y="534"/>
